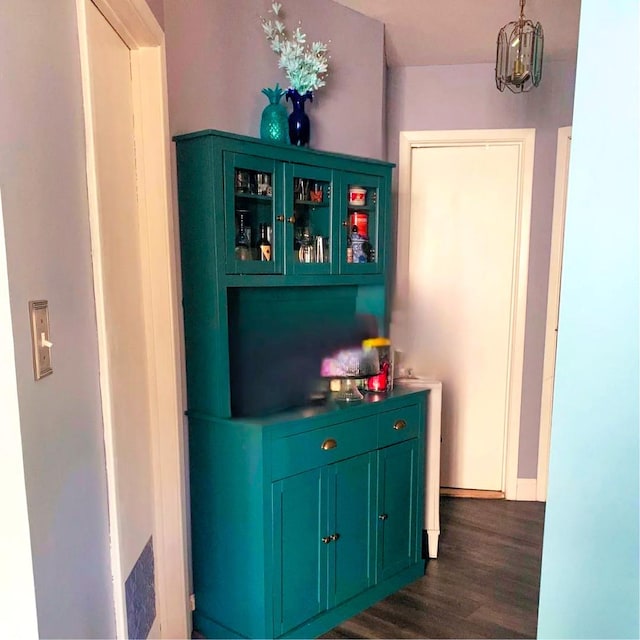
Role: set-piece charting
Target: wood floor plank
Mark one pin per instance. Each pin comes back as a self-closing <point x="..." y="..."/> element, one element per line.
<point x="484" y="584"/>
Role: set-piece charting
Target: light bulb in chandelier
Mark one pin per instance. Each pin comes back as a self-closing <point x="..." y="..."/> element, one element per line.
<point x="519" y="54"/>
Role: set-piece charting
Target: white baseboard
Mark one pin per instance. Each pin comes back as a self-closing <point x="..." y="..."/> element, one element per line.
<point x="526" y="489"/>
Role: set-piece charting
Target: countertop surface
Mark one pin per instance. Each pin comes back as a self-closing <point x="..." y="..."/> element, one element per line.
<point x="325" y="407"/>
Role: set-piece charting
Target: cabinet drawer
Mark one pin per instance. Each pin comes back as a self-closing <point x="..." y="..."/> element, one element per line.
<point x="294" y="454"/>
<point x="398" y="425"/>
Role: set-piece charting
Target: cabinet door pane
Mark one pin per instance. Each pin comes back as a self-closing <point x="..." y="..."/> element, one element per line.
<point x="251" y="194"/>
<point x="362" y="225"/>
<point x="352" y="487"/>
<point x="300" y="556"/>
<point x="309" y="197"/>
<point x="398" y="507"/>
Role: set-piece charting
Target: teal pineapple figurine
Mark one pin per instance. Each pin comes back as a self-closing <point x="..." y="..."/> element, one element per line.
<point x="274" y="123"/>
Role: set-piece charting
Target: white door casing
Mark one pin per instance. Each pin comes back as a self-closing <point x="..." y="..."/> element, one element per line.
<point x="563" y="156"/>
<point x="136" y="305"/>
<point x="519" y="148"/>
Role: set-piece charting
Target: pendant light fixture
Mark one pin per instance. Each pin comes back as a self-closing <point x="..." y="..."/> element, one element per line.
<point x="519" y="54"/>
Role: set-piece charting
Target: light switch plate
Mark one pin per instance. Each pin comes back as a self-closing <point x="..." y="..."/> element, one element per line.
<point x="40" y="338"/>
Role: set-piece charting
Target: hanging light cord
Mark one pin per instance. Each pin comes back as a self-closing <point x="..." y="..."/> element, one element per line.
<point x="522" y="3"/>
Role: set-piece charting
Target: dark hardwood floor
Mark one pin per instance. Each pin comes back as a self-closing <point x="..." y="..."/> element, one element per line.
<point x="484" y="584"/>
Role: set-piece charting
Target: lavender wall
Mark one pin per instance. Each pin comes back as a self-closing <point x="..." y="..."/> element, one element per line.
<point x="157" y="8"/>
<point x="218" y="60"/>
<point x="465" y="97"/>
<point x="44" y="190"/>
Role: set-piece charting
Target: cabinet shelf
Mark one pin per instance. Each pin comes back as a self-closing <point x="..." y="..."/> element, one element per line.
<point x="253" y="196"/>
<point x="312" y="203"/>
<point x="307" y="280"/>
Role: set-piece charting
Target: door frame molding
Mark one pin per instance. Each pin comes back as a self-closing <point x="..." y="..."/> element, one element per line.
<point x="525" y="140"/>
<point x="563" y="157"/>
<point x="136" y="25"/>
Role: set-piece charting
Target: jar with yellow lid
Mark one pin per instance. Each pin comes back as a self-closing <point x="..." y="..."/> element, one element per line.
<point x="383" y="381"/>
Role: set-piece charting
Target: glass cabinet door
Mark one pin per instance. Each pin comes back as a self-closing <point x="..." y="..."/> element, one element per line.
<point x="253" y="241"/>
<point x="308" y="220"/>
<point x="361" y="228"/>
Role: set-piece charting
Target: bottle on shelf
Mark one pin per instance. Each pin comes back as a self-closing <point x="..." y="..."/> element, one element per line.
<point x="243" y="243"/>
<point x="306" y="252"/>
<point x="357" y="246"/>
<point x="264" y="246"/>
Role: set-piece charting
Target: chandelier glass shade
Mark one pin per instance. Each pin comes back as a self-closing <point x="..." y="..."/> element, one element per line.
<point x="519" y="54"/>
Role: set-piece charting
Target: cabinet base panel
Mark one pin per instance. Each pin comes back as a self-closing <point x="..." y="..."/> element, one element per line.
<point x="326" y="621"/>
<point x="204" y="627"/>
<point x="322" y="623"/>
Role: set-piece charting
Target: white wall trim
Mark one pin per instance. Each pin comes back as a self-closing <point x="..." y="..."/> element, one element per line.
<point x="525" y="139"/>
<point x="18" y="615"/>
<point x="563" y="154"/>
<point x="135" y="23"/>
<point x="159" y="278"/>
<point x="526" y="490"/>
<point x="98" y="279"/>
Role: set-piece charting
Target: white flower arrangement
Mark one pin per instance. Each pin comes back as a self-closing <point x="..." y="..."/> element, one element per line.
<point x="306" y="66"/>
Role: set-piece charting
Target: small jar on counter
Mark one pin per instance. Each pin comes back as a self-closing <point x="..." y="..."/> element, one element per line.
<point x="383" y="381"/>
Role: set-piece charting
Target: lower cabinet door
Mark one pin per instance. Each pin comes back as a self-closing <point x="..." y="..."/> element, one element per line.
<point x="299" y="555"/>
<point x="352" y="488"/>
<point x="397" y="505"/>
<point x="327" y="532"/>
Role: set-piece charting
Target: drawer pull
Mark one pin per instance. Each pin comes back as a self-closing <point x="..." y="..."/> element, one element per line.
<point x="383" y="516"/>
<point x="334" y="536"/>
<point x="326" y="539"/>
<point x="399" y="424"/>
<point x="329" y="443"/>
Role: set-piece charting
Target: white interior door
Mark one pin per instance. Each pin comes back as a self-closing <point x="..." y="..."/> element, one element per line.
<point x="122" y="335"/>
<point x="462" y="274"/>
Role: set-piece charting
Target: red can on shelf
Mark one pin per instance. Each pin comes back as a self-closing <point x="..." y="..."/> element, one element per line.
<point x="360" y="220"/>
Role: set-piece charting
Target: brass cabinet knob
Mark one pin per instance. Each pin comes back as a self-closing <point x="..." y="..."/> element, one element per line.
<point x="399" y="424"/>
<point x="280" y="218"/>
<point x="326" y="539"/>
<point x="334" y="536"/>
<point x="291" y="219"/>
<point x="383" y="516"/>
<point x="329" y="443"/>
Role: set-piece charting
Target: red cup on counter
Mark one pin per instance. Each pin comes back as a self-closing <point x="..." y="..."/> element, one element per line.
<point x="379" y="382"/>
<point x="382" y="381"/>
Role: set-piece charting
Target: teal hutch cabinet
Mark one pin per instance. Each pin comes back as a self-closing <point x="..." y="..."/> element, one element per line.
<point x="304" y="511"/>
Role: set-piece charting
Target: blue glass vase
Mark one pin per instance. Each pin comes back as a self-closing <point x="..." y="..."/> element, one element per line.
<point x="299" y="125"/>
<point x="274" y="125"/>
